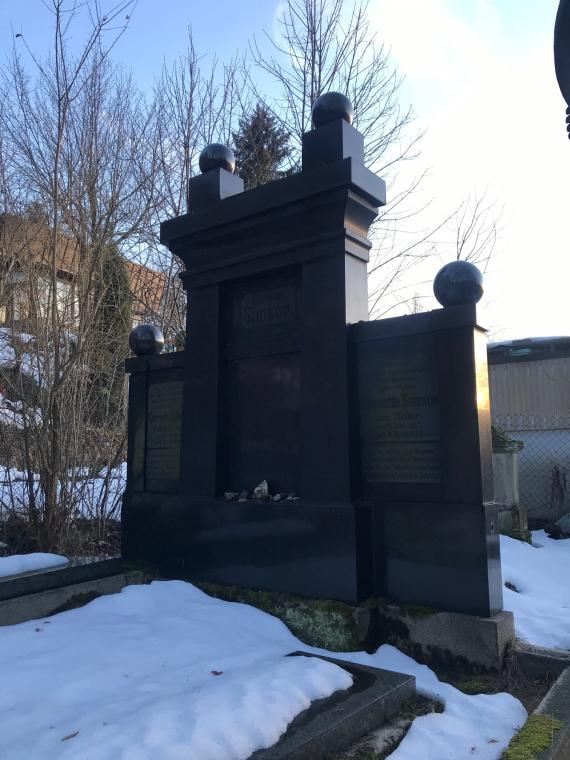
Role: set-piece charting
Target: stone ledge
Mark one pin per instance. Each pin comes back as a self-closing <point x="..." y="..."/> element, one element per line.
<point x="546" y="733"/>
<point x="419" y="631"/>
<point x="556" y="705"/>
<point x="39" y="605"/>
<point x="538" y="662"/>
<point x="333" y="724"/>
<point x="55" y="577"/>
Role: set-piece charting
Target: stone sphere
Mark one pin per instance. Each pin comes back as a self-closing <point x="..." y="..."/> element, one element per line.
<point x="146" y="340"/>
<point x="457" y="283"/>
<point x="332" y="106"/>
<point x="217" y="156"/>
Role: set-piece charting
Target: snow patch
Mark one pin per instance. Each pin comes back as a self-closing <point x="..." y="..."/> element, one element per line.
<point x="167" y="671"/>
<point x="541" y="603"/>
<point x="27" y="563"/>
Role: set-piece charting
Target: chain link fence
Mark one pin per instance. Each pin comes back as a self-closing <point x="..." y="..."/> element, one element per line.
<point x="544" y="464"/>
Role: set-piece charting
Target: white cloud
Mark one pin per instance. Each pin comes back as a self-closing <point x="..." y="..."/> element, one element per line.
<point x="495" y="121"/>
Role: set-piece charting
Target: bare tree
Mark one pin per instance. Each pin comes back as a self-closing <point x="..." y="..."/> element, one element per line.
<point x="78" y="150"/>
<point x="324" y="45"/>
<point x="197" y="101"/>
<point x="476" y="227"/>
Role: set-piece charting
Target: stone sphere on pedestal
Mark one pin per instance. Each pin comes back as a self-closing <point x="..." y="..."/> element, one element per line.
<point x="458" y="283"/>
<point x="146" y="340"/>
<point x="332" y="106"/>
<point x="217" y="156"/>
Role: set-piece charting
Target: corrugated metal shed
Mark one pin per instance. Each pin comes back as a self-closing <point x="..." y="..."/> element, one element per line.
<point x="531" y="395"/>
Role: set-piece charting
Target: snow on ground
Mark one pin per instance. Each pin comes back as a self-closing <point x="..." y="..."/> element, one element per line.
<point x="14" y="414"/>
<point x="160" y="671"/>
<point x="27" y="563"/>
<point x="540" y="575"/>
<point x="164" y="671"/>
<point x="478" y="725"/>
<point x="91" y="493"/>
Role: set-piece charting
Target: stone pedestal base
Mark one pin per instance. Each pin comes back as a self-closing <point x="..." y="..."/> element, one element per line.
<point x="480" y="641"/>
<point x="318" y="550"/>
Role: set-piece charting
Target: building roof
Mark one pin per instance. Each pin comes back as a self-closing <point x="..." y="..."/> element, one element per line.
<point x="24" y="238"/>
<point x="529" y="349"/>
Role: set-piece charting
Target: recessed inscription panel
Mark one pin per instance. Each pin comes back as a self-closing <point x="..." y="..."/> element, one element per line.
<point x="264" y="308"/>
<point x="269" y="308"/>
<point x="399" y="412"/>
<point x="262" y="437"/>
<point x="163" y="430"/>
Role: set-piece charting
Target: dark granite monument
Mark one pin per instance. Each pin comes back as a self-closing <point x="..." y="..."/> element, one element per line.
<point x="374" y="437"/>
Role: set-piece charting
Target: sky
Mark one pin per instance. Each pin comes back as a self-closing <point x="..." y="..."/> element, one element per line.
<point x="480" y="77"/>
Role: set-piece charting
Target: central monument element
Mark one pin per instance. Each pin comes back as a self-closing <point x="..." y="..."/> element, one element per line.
<point x="373" y="435"/>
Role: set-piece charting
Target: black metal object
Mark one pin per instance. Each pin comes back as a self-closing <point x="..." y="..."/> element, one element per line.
<point x="146" y="340"/>
<point x="562" y="54"/>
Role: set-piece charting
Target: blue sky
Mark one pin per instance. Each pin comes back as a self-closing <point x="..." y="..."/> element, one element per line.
<point x="480" y="76"/>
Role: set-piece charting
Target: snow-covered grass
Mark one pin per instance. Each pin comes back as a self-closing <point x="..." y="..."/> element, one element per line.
<point x="13" y="355"/>
<point x="88" y="492"/>
<point x="164" y="671"/>
<point x="159" y="671"/>
<point x="541" y="602"/>
<point x="27" y="563"/>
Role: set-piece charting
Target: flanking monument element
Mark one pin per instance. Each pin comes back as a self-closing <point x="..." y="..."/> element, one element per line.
<point x="425" y="451"/>
<point x="373" y="437"/>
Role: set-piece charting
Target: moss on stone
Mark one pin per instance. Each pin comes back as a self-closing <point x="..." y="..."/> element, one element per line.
<point x="416" y="611"/>
<point x="325" y="628"/>
<point x="536" y="735"/>
<point x="317" y="622"/>
<point x="374" y="602"/>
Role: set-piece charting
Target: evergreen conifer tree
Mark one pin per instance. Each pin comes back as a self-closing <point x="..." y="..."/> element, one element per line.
<point x="113" y="322"/>
<point x="261" y="145"/>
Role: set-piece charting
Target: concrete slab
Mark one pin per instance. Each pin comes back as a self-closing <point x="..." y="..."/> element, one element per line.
<point x="44" y="603"/>
<point x="76" y="571"/>
<point x="481" y="641"/>
<point x="331" y="725"/>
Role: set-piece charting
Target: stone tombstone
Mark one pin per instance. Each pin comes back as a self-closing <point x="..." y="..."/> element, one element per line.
<point x="424" y="443"/>
<point x="273" y="277"/>
<point x="374" y="436"/>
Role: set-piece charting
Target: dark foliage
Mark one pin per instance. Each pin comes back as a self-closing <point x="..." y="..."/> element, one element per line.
<point x="261" y="146"/>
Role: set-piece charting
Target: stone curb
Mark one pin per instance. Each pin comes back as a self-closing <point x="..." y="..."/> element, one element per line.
<point x="333" y="724"/>
<point x="538" y="662"/>
<point x="56" y="577"/>
<point x="556" y="704"/>
<point x="32" y="606"/>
